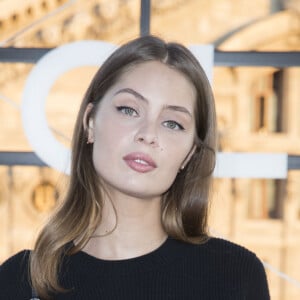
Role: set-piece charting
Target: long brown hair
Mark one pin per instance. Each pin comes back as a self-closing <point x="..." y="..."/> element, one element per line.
<point x="184" y="205"/>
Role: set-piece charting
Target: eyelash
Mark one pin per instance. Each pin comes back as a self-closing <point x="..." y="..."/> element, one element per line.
<point x="179" y="126"/>
<point x="126" y="110"/>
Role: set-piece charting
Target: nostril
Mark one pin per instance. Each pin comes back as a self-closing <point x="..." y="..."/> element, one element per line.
<point x="154" y="140"/>
<point x="146" y="137"/>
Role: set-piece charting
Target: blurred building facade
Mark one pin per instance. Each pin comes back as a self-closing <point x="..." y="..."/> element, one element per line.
<point x="257" y="110"/>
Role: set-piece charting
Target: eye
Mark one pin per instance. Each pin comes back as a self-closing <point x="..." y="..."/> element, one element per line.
<point x="126" y="110"/>
<point x="173" y="125"/>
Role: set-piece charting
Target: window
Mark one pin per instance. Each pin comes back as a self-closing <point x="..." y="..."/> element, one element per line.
<point x="266" y="198"/>
<point x="280" y="107"/>
<point x="268" y="109"/>
<point x="260" y="113"/>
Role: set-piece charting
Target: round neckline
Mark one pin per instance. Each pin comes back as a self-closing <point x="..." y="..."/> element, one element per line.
<point x="167" y="252"/>
<point x="142" y="256"/>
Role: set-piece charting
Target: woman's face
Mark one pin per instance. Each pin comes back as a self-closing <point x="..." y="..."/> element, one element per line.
<point x="143" y="130"/>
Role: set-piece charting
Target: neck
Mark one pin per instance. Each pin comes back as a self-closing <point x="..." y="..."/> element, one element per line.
<point x="134" y="228"/>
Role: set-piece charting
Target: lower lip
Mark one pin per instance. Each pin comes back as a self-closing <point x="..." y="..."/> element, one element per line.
<point x="138" y="167"/>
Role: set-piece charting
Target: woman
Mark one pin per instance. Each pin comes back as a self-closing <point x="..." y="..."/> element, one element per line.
<point x="133" y="224"/>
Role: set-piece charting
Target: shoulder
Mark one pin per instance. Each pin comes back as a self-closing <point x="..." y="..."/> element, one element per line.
<point x="219" y="256"/>
<point x="233" y="265"/>
<point x="229" y="252"/>
<point x="15" y="262"/>
<point x="234" y="260"/>
<point x="219" y="246"/>
<point x="14" y="280"/>
<point x="222" y="246"/>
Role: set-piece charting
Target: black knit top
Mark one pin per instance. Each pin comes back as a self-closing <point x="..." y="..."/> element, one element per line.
<point x="215" y="270"/>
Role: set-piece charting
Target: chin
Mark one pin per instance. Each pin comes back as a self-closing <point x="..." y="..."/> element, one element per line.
<point x="142" y="194"/>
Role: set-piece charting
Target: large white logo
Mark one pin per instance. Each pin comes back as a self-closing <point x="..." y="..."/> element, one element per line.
<point x="38" y="85"/>
<point x="44" y="74"/>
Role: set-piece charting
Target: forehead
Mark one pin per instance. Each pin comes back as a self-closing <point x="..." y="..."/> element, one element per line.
<point x="155" y="80"/>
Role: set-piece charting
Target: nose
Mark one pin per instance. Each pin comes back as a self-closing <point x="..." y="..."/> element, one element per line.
<point x="147" y="134"/>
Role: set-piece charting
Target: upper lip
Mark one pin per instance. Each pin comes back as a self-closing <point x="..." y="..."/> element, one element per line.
<point x="142" y="156"/>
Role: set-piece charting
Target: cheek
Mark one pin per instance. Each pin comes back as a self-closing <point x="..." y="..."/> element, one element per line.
<point x="174" y="160"/>
<point x="109" y="138"/>
<point x="103" y="144"/>
<point x="177" y="149"/>
<point x="109" y="132"/>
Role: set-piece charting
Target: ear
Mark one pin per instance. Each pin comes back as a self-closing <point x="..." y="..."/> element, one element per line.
<point x="88" y="123"/>
<point x="188" y="157"/>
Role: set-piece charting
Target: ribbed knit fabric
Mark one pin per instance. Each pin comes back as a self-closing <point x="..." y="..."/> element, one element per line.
<point x="215" y="270"/>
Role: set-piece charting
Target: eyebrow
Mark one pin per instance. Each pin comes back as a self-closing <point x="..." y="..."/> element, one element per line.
<point x="132" y="92"/>
<point x="141" y="97"/>
<point x="178" y="108"/>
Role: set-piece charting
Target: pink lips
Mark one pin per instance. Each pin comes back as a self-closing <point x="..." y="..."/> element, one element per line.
<point x="140" y="162"/>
